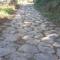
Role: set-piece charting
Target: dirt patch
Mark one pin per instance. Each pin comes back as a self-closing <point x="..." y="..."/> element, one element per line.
<point x="2" y="20"/>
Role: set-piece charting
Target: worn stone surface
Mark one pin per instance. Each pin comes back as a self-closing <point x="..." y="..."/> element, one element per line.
<point x="58" y="52"/>
<point x="48" y="40"/>
<point x="0" y="58"/>
<point x="46" y="49"/>
<point x="56" y="44"/>
<point x="6" y="51"/>
<point x="44" y="57"/>
<point x="28" y="48"/>
<point x="29" y="36"/>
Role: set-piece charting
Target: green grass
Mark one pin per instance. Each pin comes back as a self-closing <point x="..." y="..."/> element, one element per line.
<point x="7" y="10"/>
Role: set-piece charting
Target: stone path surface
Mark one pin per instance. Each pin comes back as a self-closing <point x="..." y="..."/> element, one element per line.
<point x="29" y="36"/>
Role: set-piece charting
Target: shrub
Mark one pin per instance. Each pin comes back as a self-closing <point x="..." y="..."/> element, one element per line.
<point x="49" y="8"/>
<point x="8" y="10"/>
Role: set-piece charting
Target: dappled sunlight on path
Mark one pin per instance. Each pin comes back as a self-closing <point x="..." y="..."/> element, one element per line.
<point x="26" y="2"/>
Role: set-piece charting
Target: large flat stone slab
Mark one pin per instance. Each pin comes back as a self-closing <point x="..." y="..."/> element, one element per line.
<point x="44" y="57"/>
<point x="28" y="48"/>
<point x="6" y="51"/>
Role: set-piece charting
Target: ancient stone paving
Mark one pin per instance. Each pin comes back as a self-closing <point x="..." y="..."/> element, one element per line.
<point x="29" y="36"/>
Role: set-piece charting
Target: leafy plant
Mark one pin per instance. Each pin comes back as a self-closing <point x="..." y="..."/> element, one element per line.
<point x="49" y="8"/>
<point x="8" y="10"/>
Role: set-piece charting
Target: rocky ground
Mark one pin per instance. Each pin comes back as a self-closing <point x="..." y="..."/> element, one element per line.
<point x="29" y="36"/>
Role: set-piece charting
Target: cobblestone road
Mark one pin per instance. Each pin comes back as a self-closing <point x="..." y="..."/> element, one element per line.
<point x="29" y="36"/>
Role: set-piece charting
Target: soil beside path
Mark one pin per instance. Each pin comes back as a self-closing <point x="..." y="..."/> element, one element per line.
<point x="29" y="36"/>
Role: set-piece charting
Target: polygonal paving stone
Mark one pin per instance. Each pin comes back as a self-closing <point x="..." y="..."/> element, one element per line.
<point x="0" y="58"/>
<point x="58" y="52"/>
<point x="50" y="32"/>
<point x="6" y="51"/>
<point x="48" y="40"/>
<point x="44" y="44"/>
<point x="18" y="55"/>
<point x="46" y="49"/>
<point x="56" y="44"/>
<point x="35" y="41"/>
<point x="14" y="57"/>
<point x="44" y="57"/>
<point x="53" y="36"/>
<point x="27" y="55"/>
<point x="27" y="24"/>
<point x="28" y="48"/>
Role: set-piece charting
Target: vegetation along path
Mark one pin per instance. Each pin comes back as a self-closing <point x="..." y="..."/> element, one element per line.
<point x="29" y="36"/>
